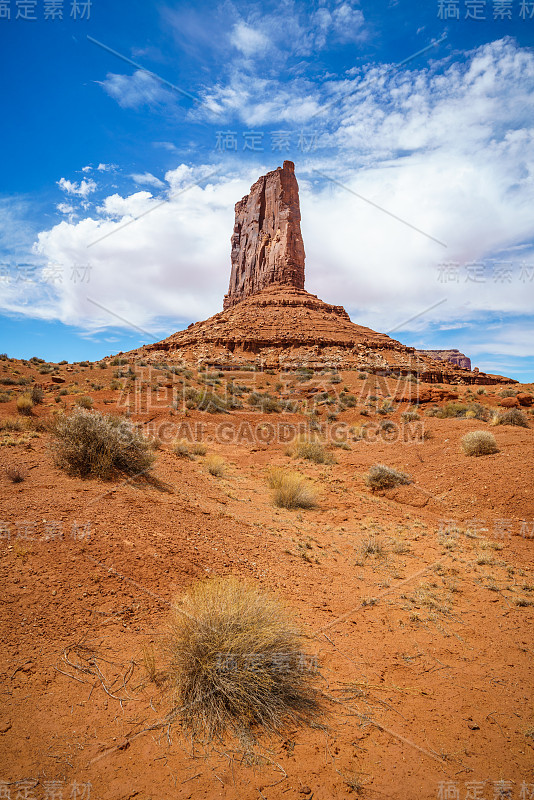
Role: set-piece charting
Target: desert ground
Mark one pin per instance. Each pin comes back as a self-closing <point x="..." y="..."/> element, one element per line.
<point x="417" y="601"/>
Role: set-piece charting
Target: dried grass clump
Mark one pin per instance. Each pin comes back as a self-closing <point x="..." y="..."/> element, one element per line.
<point x="25" y="405"/>
<point x="301" y="447"/>
<point x="216" y="466"/>
<point x="512" y="417"/>
<point x="237" y="664"/>
<point x="14" y="424"/>
<point x="479" y="443"/>
<point x="290" y="489"/>
<point x="85" y="401"/>
<point x="92" y="444"/>
<point x="199" y="449"/>
<point x="382" y="477"/>
<point x="36" y="395"/>
<point x="181" y="449"/>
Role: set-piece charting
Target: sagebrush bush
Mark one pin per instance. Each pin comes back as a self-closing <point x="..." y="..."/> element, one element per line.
<point x="89" y="443"/>
<point x="409" y="416"/>
<point x="25" y="404"/>
<point x="479" y="443"/>
<point x="290" y="489"/>
<point x="301" y="447"/>
<point x="236" y="663"/>
<point x="512" y="417"/>
<point x="382" y="477"/>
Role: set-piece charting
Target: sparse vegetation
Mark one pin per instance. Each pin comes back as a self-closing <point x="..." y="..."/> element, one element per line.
<point x="511" y="417"/>
<point x="92" y="444"/>
<point x="382" y="477"/>
<point x="237" y="664"/>
<point x="479" y="443"/>
<point x="462" y="410"/>
<point x="290" y="489"/>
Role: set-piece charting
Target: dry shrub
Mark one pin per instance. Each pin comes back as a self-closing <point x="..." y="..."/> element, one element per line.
<point x="16" y="473"/>
<point x="301" y="447"/>
<point x="290" y="489"/>
<point x="409" y="416"/>
<point x="237" y="664"/>
<point x="199" y="449"/>
<point x="215" y="465"/>
<point x="14" y="424"/>
<point x="36" y="395"/>
<point x="25" y="405"/>
<point x="382" y="477"/>
<point x="181" y="449"/>
<point x="512" y="417"/>
<point x="89" y="443"/>
<point x="85" y="402"/>
<point x="479" y="443"/>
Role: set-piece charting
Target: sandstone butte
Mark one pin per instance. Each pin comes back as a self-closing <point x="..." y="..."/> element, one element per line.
<point x="269" y="321"/>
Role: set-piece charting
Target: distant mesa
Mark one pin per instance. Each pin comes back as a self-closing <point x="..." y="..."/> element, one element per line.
<point x="269" y="321"/>
<point x="452" y="356"/>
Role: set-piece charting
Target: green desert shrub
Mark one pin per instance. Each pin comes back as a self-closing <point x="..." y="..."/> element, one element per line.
<point x="237" y="664"/>
<point x="290" y="489"/>
<point x="479" y="443"/>
<point x="5" y="397"/>
<point x="511" y="417"/>
<point x="382" y="477"/>
<point x="92" y="444"/>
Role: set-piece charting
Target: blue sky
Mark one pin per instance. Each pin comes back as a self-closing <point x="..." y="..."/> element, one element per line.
<point x="442" y="142"/>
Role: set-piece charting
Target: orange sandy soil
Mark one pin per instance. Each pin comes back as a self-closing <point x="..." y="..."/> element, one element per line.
<point x="425" y="650"/>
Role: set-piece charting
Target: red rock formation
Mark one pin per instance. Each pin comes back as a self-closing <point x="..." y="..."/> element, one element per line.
<point x="452" y="356"/>
<point x="267" y="246"/>
<point x="270" y="322"/>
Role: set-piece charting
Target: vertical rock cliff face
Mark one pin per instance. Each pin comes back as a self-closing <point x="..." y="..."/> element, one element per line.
<point x="267" y="246"/>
